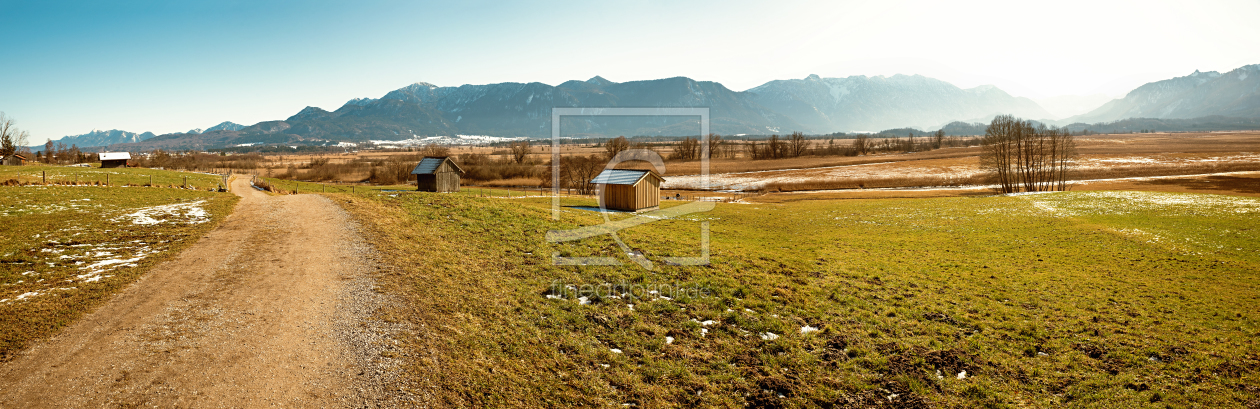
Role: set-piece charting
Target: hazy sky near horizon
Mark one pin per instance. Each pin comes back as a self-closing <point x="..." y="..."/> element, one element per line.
<point x="170" y="66"/>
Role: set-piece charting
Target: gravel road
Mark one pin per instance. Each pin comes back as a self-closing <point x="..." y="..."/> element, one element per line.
<point x="273" y="308"/>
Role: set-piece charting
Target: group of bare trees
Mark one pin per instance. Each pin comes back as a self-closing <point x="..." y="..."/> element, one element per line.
<point x="1028" y="158"/>
<point x="12" y="139"/>
<point x="577" y="171"/>
<point x="791" y="146"/>
<point x="59" y="153"/>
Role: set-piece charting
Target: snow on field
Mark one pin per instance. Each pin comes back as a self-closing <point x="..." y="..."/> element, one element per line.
<point x="447" y="140"/>
<point x="28" y="209"/>
<point x="911" y="169"/>
<point x="1111" y="162"/>
<point x="1104" y="202"/>
<point x="758" y="179"/>
<point x="190" y="213"/>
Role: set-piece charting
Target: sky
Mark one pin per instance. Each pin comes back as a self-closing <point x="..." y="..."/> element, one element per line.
<point x="71" y="67"/>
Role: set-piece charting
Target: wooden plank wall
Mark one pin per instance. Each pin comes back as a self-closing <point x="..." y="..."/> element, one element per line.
<point x="646" y="194"/>
<point x="445" y="179"/>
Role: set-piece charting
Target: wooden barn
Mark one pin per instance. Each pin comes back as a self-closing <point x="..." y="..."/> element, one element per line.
<point x="630" y="190"/>
<point x="115" y="159"/>
<point x="437" y="174"/>
<point x="16" y="159"/>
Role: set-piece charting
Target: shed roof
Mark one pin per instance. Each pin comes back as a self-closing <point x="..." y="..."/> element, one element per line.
<point x="622" y="176"/>
<point x="430" y="164"/>
<point x="115" y="155"/>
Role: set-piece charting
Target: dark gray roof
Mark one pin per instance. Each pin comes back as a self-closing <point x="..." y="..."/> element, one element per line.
<point x="427" y="166"/>
<point x="619" y="176"/>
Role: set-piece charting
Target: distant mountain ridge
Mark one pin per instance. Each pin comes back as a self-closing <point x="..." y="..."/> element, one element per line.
<point x="860" y="103"/>
<point x="100" y="138"/>
<point x="1200" y="94"/>
<point x="814" y="105"/>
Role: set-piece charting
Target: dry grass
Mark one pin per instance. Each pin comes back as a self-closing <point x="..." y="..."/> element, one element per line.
<point x="1071" y="299"/>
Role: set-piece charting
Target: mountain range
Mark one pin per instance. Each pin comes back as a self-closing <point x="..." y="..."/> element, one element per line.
<point x="814" y="105"/>
<point x="100" y="138"/>
<point x="1233" y="94"/>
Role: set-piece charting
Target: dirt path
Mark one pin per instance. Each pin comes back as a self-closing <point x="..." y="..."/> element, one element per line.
<point x="270" y="309"/>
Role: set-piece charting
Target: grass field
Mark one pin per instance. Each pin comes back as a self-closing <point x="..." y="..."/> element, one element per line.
<point x="66" y="249"/>
<point x="1120" y="299"/>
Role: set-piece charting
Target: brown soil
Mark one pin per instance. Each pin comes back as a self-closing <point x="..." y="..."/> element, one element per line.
<point x="272" y="308"/>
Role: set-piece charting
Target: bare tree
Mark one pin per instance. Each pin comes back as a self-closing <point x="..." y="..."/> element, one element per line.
<point x="797" y="145"/>
<point x="435" y="150"/>
<point x="938" y="138"/>
<point x="774" y="147"/>
<point x="49" y="151"/>
<point x="753" y="151"/>
<point x="11" y="138"/>
<point x="861" y="145"/>
<point x="577" y="171"/>
<point x="615" y="146"/>
<point x="715" y="145"/>
<point x="521" y="150"/>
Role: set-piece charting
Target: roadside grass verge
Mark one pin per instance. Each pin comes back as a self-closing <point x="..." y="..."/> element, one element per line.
<point x="1122" y="299"/>
<point x="67" y="249"/>
<point x="69" y="175"/>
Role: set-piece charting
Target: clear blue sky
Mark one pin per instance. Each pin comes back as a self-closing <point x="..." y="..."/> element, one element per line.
<point x="70" y="67"/>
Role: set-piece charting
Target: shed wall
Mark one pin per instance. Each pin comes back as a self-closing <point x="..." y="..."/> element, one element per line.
<point x="443" y="180"/>
<point x="644" y="195"/>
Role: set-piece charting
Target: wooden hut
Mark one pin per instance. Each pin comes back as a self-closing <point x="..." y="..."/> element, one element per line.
<point x="628" y="189"/>
<point x="437" y="174"/>
<point x="115" y="159"/>
<point x="15" y="159"/>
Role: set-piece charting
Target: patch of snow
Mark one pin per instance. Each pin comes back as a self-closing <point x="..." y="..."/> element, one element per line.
<point x="615" y="350"/>
<point x="769" y="336"/>
<point x="808" y="329"/>
<point x="962" y="374"/>
<point x="669" y="340"/>
<point x="148" y="215"/>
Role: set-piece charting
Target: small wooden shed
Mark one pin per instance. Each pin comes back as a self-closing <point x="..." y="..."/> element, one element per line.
<point x="629" y="189"/>
<point x="437" y="174"/>
<point x="15" y="159"/>
<point x="115" y="159"/>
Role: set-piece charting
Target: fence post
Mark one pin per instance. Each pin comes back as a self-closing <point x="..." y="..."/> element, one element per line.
<point x="150" y="180"/>
<point x="45" y="176"/>
<point x="106" y="179"/>
<point x="185" y="181"/>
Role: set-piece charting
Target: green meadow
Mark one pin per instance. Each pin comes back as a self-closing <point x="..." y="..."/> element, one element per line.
<point x="68" y="247"/>
<point x="1121" y="299"/>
